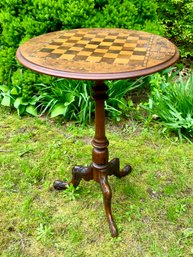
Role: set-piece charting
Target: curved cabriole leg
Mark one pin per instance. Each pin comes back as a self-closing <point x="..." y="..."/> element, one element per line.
<point x="107" y="195"/>
<point x="114" y="169"/>
<point x="78" y="173"/>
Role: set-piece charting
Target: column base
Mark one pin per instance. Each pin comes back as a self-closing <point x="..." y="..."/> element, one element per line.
<point x="100" y="176"/>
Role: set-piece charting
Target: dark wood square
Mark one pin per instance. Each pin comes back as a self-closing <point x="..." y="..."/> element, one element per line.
<point x="108" y="60"/>
<point x="46" y="50"/>
<point x="54" y="56"/>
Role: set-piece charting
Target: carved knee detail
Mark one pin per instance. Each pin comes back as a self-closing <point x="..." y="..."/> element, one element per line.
<point x="82" y="172"/>
<point x="107" y="192"/>
<point x="105" y="188"/>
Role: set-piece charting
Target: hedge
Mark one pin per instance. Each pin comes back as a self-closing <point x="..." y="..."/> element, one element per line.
<point x="21" y="20"/>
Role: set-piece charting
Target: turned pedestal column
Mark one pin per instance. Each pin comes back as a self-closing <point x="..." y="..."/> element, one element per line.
<point x="100" y="168"/>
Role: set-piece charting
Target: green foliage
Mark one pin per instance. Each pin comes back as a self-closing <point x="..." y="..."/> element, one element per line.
<point x="69" y="98"/>
<point x="73" y="99"/>
<point x="172" y="102"/>
<point x="44" y="232"/>
<point x="21" y="20"/>
<point x="21" y="92"/>
<point x="133" y="14"/>
<point x="117" y="105"/>
<point x="177" y="17"/>
<point x="71" y="192"/>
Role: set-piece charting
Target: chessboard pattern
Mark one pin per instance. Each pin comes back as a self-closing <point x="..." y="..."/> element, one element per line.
<point x="98" y="50"/>
<point x="96" y="47"/>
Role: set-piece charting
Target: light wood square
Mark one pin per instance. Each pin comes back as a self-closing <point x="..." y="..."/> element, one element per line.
<point x="105" y="43"/>
<point x="96" y="39"/>
<point x="110" y="55"/>
<point x="132" y="45"/>
<point x="75" y="48"/>
<point x="100" y="50"/>
<point x="84" y="53"/>
<point x="141" y="49"/>
<point x="91" y="35"/>
<point x="145" y="42"/>
<point x="94" y="58"/>
<point x="83" y="42"/>
<point x="42" y="54"/>
<point x="133" y="38"/>
<point x="90" y="46"/>
<point x="111" y="37"/>
<point x="67" y="45"/>
<point x="115" y="47"/>
<point x="67" y="56"/>
<point x="50" y="46"/>
<point x="119" y="41"/>
<point x="69" y="34"/>
<point x="121" y="61"/>
<point x="127" y="53"/>
<point x="137" y="58"/>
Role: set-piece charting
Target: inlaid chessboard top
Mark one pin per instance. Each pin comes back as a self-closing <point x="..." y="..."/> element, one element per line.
<point x="97" y="53"/>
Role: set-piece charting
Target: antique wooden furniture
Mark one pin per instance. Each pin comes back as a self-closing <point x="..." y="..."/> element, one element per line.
<point x="98" y="55"/>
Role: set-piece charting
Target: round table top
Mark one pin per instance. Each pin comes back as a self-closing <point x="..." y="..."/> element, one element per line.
<point x="97" y="54"/>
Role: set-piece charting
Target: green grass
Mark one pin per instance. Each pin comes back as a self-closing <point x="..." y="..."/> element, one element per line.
<point x="152" y="206"/>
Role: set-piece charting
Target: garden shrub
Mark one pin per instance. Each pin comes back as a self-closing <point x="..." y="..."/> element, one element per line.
<point x="21" y="20"/>
<point x="171" y="102"/>
<point x="177" y="17"/>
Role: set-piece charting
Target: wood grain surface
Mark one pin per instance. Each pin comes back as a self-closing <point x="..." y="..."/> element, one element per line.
<point x="97" y="54"/>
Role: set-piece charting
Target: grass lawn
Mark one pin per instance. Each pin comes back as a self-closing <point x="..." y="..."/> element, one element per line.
<point x="153" y="206"/>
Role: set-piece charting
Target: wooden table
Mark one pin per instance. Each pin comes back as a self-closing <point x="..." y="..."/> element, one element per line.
<point x="98" y="55"/>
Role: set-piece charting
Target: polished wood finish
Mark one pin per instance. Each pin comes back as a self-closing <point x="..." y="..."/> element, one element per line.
<point x="97" y="54"/>
<point x="100" y="168"/>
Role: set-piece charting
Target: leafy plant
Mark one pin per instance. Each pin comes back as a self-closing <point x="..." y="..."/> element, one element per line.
<point x="19" y="93"/>
<point x="71" y="192"/>
<point x="44" y="232"/>
<point x="117" y="105"/>
<point x="69" y="98"/>
<point x="73" y="99"/>
<point x="172" y="102"/>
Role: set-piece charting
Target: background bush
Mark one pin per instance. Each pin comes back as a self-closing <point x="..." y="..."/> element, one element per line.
<point x="30" y="92"/>
<point x="21" y="20"/>
<point x="177" y="17"/>
<point x="24" y="19"/>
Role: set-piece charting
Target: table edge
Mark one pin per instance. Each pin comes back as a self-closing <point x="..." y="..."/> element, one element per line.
<point x="96" y="76"/>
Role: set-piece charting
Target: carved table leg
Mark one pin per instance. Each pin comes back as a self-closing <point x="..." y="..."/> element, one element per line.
<point x="114" y="169"/>
<point x="107" y="195"/>
<point x="78" y="173"/>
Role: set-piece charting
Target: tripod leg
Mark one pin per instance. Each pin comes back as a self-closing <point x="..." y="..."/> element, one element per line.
<point x="107" y="195"/>
<point x="114" y="169"/>
<point x="78" y="173"/>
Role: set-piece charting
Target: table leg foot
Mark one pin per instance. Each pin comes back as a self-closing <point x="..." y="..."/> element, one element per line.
<point x="78" y="173"/>
<point x="60" y="185"/>
<point x="107" y="195"/>
<point x="114" y="169"/>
